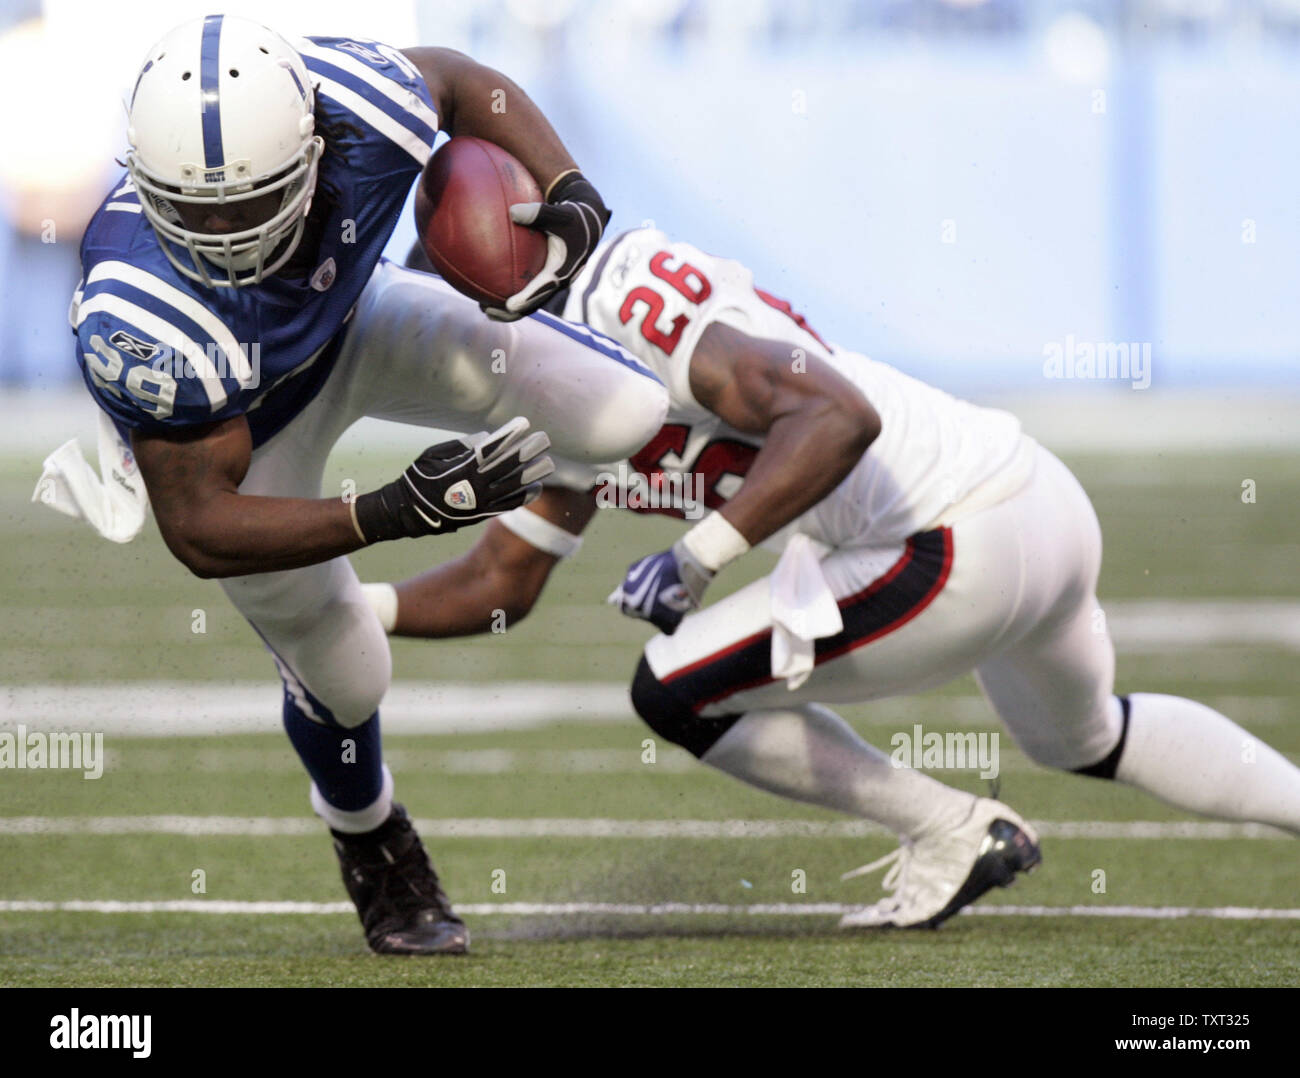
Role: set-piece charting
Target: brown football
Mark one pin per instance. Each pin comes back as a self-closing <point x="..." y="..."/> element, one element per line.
<point x="462" y="215"/>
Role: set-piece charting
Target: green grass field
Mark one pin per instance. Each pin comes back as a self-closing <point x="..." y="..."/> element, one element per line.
<point x="568" y="813"/>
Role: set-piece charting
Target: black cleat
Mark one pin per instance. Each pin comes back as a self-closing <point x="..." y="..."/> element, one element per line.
<point x="934" y="877"/>
<point x="391" y="880"/>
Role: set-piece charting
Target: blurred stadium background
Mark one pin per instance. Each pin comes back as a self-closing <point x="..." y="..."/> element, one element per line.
<point x="953" y="186"/>
<point x="948" y="184"/>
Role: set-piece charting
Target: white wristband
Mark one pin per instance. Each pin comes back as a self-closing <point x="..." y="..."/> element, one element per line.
<point x="541" y="533"/>
<point x="714" y="542"/>
<point x="383" y="601"/>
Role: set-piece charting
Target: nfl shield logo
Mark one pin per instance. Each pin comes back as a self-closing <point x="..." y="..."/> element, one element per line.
<point x="324" y="275"/>
<point x="460" y="495"/>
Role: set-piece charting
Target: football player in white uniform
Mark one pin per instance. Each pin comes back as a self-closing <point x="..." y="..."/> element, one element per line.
<point x="922" y="537"/>
<point x="236" y="316"/>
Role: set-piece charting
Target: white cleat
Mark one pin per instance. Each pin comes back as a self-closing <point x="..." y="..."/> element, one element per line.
<point x="933" y="877"/>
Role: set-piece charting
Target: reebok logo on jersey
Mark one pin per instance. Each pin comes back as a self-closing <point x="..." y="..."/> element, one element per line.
<point x="133" y="346"/>
<point x="627" y="262"/>
<point x="358" y="49"/>
<point x="461" y="495"/>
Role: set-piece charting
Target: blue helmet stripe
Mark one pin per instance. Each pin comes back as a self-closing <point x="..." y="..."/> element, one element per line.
<point x="214" y="155"/>
<point x="136" y="89"/>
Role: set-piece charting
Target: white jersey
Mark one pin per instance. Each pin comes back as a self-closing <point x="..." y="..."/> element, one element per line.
<point x="935" y="455"/>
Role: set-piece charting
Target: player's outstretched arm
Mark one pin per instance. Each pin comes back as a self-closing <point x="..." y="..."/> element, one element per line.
<point x="193" y="476"/>
<point x="472" y="99"/>
<point x="500" y="577"/>
<point x="816" y="426"/>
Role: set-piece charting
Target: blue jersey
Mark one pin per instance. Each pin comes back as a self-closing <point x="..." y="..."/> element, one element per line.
<point x="160" y="351"/>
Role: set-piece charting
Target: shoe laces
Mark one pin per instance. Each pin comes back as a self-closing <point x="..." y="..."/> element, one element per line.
<point x="899" y="861"/>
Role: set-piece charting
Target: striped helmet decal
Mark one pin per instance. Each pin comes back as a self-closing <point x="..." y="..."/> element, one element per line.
<point x="302" y="90"/>
<point x="136" y="88"/>
<point x="214" y="155"/>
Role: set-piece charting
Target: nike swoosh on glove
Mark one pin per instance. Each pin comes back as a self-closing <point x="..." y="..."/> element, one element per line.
<point x="573" y="219"/>
<point x="662" y="588"/>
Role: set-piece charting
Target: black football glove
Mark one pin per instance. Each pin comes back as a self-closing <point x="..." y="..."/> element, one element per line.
<point x="573" y="219"/>
<point x="459" y="482"/>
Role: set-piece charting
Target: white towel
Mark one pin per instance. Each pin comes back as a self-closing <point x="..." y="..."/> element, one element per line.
<point x="114" y="502"/>
<point x="803" y="609"/>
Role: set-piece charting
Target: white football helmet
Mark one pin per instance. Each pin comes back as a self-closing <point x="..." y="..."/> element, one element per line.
<point x="222" y="114"/>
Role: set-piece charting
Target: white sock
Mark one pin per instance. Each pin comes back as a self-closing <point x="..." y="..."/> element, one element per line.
<point x="1196" y="759"/>
<point x="358" y="821"/>
<point x="810" y="754"/>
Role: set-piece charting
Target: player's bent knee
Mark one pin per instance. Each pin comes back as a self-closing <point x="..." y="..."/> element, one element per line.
<point x="1090" y="746"/>
<point x="671" y="715"/>
<point x="361" y="696"/>
<point x="1106" y="767"/>
<point x="346" y="665"/>
<point x="632" y="412"/>
<point x="341" y="705"/>
<point x="358" y="707"/>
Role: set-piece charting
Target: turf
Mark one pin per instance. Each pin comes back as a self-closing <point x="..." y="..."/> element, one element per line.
<point x="78" y="609"/>
<point x="166" y="950"/>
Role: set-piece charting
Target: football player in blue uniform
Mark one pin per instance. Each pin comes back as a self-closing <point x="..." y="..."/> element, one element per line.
<point x="235" y="317"/>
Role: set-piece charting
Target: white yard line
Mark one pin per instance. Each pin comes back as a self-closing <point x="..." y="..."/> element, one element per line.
<point x="1147" y="626"/>
<point x="189" y="709"/>
<point x="602" y="828"/>
<point x="621" y="909"/>
<point x="1138" y="425"/>
<point x="163" y="709"/>
<point x="221" y="759"/>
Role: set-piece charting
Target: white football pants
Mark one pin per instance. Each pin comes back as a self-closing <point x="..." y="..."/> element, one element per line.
<point x="1008" y="592"/>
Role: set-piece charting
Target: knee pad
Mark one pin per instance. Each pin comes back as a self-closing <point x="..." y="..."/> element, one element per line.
<point x="672" y="716"/>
